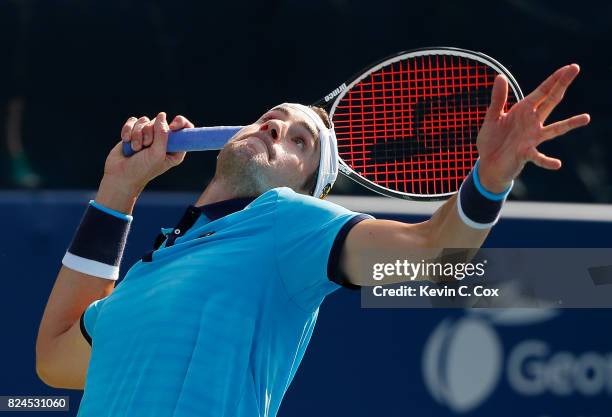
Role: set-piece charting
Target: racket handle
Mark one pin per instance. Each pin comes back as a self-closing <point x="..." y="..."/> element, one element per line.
<point x="196" y="139"/>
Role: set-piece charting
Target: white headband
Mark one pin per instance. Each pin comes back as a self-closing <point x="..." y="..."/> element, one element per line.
<point x="328" y="165"/>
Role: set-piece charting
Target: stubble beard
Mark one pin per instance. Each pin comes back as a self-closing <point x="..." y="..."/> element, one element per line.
<point x="242" y="171"/>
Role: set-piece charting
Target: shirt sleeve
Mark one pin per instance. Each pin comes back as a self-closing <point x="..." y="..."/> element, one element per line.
<point x="89" y="318"/>
<point x="309" y="235"/>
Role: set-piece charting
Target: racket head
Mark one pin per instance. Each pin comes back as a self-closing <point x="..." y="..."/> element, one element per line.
<point x="407" y="125"/>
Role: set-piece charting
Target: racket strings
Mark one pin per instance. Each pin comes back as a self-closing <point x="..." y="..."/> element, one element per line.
<point x="411" y="126"/>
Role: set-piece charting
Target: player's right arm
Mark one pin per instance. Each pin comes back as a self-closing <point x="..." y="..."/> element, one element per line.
<point x="62" y="353"/>
<point x="506" y="142"/>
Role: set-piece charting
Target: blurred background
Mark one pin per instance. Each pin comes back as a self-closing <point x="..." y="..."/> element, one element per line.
<point x="74" y="70"/>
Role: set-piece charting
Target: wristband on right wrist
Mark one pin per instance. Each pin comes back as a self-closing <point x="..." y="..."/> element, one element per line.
<point x="98" y="244"/>
<point x="478" y="207"/>
<point x="488" y="194"/>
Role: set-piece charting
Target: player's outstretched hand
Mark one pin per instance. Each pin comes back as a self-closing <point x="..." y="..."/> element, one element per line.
<point x="149" y="138"/>
<point x="507" y="141"/>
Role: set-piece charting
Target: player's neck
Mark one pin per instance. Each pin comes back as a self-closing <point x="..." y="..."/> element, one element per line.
<point x="217" y="190"/>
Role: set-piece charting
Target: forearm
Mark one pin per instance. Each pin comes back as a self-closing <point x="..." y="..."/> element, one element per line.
<point x="91" y="264"/>
<point x="463" y="222"/>
<point x="447" y="230"/>
<point x="62" y="354"/>
<point x="73" y="291"/>
<point x="118" y="195"/>
<point x="384" y="247"/>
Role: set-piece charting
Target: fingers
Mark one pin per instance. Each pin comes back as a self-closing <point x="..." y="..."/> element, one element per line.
<point x="139" y="132"/>
<point x="135" y="136"/>
<point x="144" y="133"/>
<point x="162" y="129"/>
<point x="147" y="134"/>
<point x="126" y="130"/>
<point x="557" y="91"/>
<point x="180" y="122"/>
<point x="543" y="89"/>
<point x="499" y="95"/>
<point x="550" y="92"/>
<point x="552" y="131"/>
<point x="160" y="133"/>
<point x="543" y="161"/>
<point x="561" y="128"/>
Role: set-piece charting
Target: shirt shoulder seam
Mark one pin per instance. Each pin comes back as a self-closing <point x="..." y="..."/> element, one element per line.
<point x="276" y="266"/>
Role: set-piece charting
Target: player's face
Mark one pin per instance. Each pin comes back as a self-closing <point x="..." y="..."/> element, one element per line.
<point x="281" y="149"/>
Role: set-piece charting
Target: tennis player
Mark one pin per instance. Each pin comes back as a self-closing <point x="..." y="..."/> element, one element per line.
<point x="216" y="320"/>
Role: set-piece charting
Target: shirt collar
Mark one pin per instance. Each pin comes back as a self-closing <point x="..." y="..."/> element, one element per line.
<point x="220" y="209"/>
<point x="212" y="212"/>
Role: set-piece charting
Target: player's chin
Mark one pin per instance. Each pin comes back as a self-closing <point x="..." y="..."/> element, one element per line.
<point x="252" y="149"/>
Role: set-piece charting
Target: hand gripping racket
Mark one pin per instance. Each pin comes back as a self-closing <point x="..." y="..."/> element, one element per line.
<point x="406" y="126"/>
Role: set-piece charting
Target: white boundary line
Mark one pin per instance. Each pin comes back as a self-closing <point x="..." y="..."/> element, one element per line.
<point x="366" y="204"/>
<point x="512" y="209"/>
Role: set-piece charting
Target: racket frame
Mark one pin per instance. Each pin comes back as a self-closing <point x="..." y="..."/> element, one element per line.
<point x="330" y="102"/>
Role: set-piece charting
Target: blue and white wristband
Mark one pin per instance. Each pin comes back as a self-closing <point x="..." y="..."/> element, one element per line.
<point x="478" y="207"/>
<point x="98" y="244"/>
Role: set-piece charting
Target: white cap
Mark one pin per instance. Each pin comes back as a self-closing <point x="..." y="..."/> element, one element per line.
<point x="328" y="165"/>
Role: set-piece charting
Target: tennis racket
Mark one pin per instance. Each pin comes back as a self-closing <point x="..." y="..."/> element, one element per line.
<point x="406" y="126"/>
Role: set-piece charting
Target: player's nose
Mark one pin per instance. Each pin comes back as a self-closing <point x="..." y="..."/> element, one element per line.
<point x="273" y="127"/>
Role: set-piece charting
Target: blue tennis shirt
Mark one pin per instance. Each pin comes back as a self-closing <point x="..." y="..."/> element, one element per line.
<point x="216" y="321"/>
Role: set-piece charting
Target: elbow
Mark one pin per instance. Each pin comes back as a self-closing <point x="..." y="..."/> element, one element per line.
<point x="42" y="367"/>
<point x="43" y="364"/>
<point x="47" y="376"/>
<point x="43" y="373"/>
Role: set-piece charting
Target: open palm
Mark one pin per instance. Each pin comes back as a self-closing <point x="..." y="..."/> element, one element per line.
<point x="508" y="140"/>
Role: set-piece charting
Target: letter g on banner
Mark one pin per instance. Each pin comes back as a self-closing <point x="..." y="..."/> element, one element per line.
<point x="463" y="358"/>
<point x="462" y="362"/>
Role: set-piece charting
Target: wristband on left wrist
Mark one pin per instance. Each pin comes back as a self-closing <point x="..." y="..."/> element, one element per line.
<point x="115" y="213"/>
<point x="99" y="242"/>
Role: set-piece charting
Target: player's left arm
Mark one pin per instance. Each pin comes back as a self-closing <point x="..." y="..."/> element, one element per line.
<point x="62" y="353"/>
<point x="506" y="142"/>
